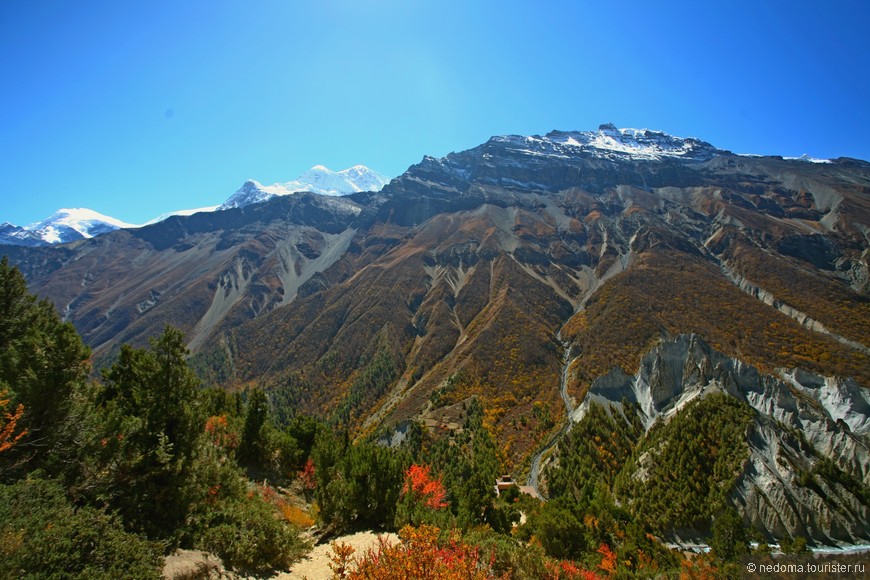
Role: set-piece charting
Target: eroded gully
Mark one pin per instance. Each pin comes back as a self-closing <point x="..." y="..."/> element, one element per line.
<point x="535" y="470"/>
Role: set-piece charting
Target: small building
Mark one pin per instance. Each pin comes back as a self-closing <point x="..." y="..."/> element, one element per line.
<point x="506" y="481"/>
<point x="502" y="483"/>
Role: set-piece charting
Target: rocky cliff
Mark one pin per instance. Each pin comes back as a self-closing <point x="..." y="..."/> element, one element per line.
<point x="809" y="444"/>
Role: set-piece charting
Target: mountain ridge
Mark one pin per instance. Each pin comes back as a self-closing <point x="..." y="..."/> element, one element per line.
<point x="607" y="142"/>
<point x="518" y="272"/>
<point x="67" y="225"/>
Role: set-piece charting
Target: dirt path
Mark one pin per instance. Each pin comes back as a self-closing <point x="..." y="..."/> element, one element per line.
<point x="315" y="566"/>
<point x="535" y="470"/>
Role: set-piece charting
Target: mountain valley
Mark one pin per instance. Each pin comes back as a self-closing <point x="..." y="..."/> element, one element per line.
<point x="644" y="273"/>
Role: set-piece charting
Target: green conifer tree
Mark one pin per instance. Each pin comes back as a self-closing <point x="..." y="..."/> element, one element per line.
<point x="149" y="427"/>
<point x="730" y="539"/>
<point x="252" y="449"/>
<point x="42" y="362"/>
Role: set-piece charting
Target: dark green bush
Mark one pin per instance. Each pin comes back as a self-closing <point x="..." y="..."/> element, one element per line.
<point x="508" y="556"/>
<point x="42" y="535"/>
<point x="248" y="535"/>
<point x="561" y="534"/>
<point x="797" y="545"/>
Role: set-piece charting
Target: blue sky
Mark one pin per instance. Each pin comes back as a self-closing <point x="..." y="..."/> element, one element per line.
<point x="136" y="108"/>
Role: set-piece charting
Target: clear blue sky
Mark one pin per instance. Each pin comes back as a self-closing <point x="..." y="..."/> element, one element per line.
<point x="136" y="108"/>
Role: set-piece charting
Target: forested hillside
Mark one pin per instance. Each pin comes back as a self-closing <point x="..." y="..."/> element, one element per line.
<point x="103" y="477"/>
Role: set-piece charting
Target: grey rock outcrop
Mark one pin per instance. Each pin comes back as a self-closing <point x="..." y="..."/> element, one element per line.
<point x="194" y="565"/>
<point x="804" y="426"/>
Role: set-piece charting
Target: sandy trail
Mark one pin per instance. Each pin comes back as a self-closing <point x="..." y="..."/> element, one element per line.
<point x="315" y="565"/>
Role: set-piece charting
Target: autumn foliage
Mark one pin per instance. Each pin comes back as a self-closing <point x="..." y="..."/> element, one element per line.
<point x="9" y="423"/>
<point x="220" y="433"/>
<point x="426" y="552"/>
<point x="419" y="555"/>
<point x="423" y="486"/>
<point x="566" y="570"/>
<point x="308" y="476"/>
<point x="608" y="559"/>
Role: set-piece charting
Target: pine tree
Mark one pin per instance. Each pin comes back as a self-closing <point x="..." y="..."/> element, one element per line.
<point x="730" y="539"/>
<point x="149" y="427"/>
<point x="252" y="448"/>
<point x="42" y="362"/>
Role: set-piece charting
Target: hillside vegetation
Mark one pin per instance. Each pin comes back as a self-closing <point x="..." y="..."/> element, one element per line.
<point x="676" y="293"/>
<point x="100" y="478"/>
<point x="145" y="460"/>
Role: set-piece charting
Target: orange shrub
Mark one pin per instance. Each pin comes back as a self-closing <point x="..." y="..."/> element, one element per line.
<point x="8" y="423"/>
<point x="220" y="434"/>
<point x="297" y="516"/>
<point x="608" y="559"/>
<point x="419" y="555"/>
<point x="424" y="487"/>
<point x="566" y="570"/>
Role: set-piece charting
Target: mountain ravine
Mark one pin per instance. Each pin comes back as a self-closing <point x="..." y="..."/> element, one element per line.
<point x="669" y="268"/>
<point x="800" y="420"/>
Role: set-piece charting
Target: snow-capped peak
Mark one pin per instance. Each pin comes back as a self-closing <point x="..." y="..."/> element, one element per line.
<point x="638" y="143"/>
<point x="68" y="224"/>
<point x="807" y="159"/>
<point x="319" y="179"/>
<point x="611" y="142"/>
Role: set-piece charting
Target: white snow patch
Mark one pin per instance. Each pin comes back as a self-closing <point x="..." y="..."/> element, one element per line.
<point x="808" y="159"/>
<point x="180" y="212"/>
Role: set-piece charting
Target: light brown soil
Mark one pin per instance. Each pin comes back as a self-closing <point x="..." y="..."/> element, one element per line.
<point x="315" y="565"/>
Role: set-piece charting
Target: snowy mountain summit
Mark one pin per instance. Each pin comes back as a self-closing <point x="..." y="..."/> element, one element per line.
<point x="318" y="179"/>
<point x="611" y="142"/>
<point x="64" y="225"/>
<point x="67" y="225"/>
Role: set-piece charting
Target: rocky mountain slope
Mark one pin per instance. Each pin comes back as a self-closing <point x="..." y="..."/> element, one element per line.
<point x="197" y="272"/>
<point x="506" y="270"/>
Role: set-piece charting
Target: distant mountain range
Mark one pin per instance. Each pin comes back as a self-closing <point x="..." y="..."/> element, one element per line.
<point x="617" y="275"/>
<point x="318" y="179"/>
<point x="64" y="225"/>
<point x="68" y="225"/>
